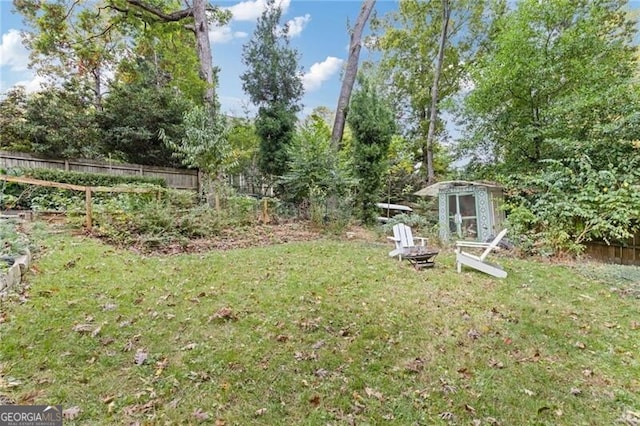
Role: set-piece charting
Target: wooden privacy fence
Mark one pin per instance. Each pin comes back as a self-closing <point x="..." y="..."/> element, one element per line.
<point x="175" y="178"/>
<point x="623" y="253"/>
<point x="88" y="190"/>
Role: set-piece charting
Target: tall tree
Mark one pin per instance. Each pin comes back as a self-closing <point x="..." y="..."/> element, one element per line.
<point x="435" y="88"/>
<point x="426" y="46"/>
<point x="555" y="73"/>
<point x="272" y="81"/>
<point x="70" y="41"/>
<point x="135" y="111"/>
<point x="372" y="122"/>
<point x="351" y="71"/>
<point x="83" y="36"/>
<point x="197" y="15"/>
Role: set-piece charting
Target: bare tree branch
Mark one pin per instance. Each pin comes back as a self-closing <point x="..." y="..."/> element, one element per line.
<point x="168" y="17"/>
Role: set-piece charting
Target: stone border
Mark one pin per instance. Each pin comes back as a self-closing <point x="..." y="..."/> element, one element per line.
<point x="12" y="278"/>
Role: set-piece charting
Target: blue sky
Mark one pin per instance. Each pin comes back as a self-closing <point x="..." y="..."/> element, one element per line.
<point x="319" y="33"/>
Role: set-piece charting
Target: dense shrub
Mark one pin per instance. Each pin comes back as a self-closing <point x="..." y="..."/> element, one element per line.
<point x="572" y="201"/>
<point x="16" y="195"/>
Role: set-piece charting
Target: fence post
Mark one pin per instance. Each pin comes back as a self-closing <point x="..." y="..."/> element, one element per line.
<point x="88" y="207"/>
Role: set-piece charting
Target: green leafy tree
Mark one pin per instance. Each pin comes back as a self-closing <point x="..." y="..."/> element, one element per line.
<point x="81" y="39"/>
<point x="372" y="123"/>
<point x="61" y="37"/>
<point x="205" y="145"/>
<point x="13" y="123"/>
<point x="134" y="113"/>
<point x="555" y="106"/>
<point x="60" y="122"/>
<point x="272" y="81"/>
<point x="426" y="46"/>
<point x="553" y="72"/>
<point x="313" y="166"/>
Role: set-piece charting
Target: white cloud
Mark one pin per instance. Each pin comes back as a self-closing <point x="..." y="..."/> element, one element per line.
<point x="224" y="34"/>
<point x="251" y="10"/>
<point x="297" y="24"/>
<point x="33" y="84"/>
<point x="321" y="72"/>
<point x="12" y="53"/>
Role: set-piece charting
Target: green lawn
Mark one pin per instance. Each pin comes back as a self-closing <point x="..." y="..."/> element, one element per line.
<point x="316" y="333"/>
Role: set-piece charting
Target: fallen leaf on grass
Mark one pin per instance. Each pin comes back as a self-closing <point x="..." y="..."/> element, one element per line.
<point x="580" y="345"/>
<point x="30" y="397"/>
<point x="189" y="347"/>
<point x="161" y="365"/>
<point x="109" y="306"/>
<point x="108" y="399"/>
<point x="415" y="365"/>
<point x="9" y="382"/>
<point x="83" y="328"/>
<point x="140" y="357"/>
<point x="473" y="334"/>
<point x="71" y="413"/>
<point x="225" y="314"/>
<point x="220" y="422"/>
<point x="447" y="415"/>
<point x="575" y="391"/>
<point x="305" y="356"/>
<point x="374" y="393"/>
<point x="200" y="415"/>
<point x="321" y="372"/>
<point x="260" y="412"/>
<point x="635" y="325"/>
<point x="495" y="364"/>
<point x="105" y="341"/>
<point x="630" y="418"/>
<point x="138" y="408"/>
<point x="528" y="392"/>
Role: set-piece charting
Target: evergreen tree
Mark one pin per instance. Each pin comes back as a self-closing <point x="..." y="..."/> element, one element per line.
<point x="372" y="123"/>
<point x="272" y="81"/>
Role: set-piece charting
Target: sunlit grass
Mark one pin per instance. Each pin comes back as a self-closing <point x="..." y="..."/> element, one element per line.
<point x="322" y="332"/>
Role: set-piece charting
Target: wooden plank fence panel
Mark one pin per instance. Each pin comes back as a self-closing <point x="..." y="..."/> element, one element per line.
<point x="175" y="178"/>
<point x="619" y="252"/>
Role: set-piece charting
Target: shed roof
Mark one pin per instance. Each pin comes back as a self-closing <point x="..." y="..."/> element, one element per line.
<point x="432" y="190"/>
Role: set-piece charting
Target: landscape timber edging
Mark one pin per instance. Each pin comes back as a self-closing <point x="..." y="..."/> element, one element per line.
<point x="12" y="278"/>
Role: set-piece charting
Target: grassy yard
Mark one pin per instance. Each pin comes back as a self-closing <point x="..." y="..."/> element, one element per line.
<point x="316" y="333"/>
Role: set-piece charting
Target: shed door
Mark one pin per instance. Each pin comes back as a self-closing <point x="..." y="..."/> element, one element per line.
<point x="463" y="216"/>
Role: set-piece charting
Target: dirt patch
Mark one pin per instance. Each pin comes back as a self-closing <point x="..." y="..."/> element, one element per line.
<point x="255" y="236"/>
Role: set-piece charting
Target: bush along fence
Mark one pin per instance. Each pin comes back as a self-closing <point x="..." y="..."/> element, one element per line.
<point x="88" y="191"/>
<point x="174" y="178"/>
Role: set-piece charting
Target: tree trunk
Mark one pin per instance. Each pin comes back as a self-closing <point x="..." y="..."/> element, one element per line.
<point x="350" y="73"/>
<point x="433" y="116"/>
<point x="204" y="49"/>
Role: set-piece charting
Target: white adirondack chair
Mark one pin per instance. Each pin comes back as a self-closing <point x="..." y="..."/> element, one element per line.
<point x="479" y="262"/>
<point x="404" y="239"/>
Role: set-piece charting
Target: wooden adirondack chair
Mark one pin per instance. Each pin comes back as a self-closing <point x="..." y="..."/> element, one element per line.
<point x="418" y="255"/>
<point x="479" y="262"/>
<point x="403" y="238"/>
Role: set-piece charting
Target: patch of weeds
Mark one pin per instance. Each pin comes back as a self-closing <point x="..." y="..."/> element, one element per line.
<point x="12" y="242"/>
